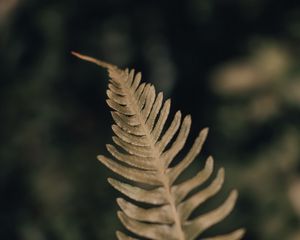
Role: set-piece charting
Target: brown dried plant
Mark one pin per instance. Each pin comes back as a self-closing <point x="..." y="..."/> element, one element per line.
<point x="144" y="150"/>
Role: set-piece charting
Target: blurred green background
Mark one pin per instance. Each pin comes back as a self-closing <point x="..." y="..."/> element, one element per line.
<point x="234" y="65"/>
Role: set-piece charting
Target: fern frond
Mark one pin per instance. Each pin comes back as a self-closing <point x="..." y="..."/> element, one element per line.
<point x="144" y="150"/>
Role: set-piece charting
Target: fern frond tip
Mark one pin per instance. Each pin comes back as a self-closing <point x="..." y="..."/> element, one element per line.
<point x="94" y="60"/>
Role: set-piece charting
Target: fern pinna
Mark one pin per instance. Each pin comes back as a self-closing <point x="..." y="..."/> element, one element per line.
<point x="144" y="150"/>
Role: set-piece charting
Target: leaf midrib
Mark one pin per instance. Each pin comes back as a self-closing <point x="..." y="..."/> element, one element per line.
<point x="133" y="104"/>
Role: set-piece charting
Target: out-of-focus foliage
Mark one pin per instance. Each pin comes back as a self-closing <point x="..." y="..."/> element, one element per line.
<point x="259" y="105"/>
<point x="237" y="60"/>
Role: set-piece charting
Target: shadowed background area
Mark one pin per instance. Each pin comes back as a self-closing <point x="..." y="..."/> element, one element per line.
<point x="233" y="65"/>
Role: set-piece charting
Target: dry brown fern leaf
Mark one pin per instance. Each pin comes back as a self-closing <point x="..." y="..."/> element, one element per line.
<point x="143" y="155"/>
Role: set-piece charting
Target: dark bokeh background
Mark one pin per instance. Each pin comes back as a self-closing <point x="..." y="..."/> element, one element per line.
<point x="234" y="65"/>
